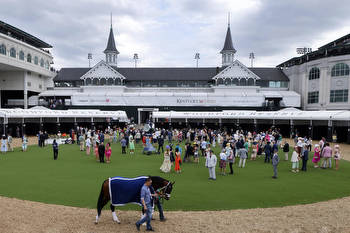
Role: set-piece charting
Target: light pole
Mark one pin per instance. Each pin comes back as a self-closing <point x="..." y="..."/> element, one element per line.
<point x="136" y="57"/>
<point x="251" y="57"/>
<point x="197" y="58"/>
<point x="89" y="58"/>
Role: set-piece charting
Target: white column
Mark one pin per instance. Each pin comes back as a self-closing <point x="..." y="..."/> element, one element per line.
<point x="25" y="90"/>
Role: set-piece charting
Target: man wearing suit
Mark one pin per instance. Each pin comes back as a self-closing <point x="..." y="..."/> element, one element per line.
<point x="305" y="158"/>
<point x="210" y="163"/>
<point x="101" y="152"/>
<point x="275" y="161"/>
<point x="268" y="151"/>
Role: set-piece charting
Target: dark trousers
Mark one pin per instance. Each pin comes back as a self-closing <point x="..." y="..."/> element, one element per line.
<point x="55" y="154"/>
<point x="123" y="150"/>
<point x="267" y="157"/>
<point x="231" y="169"/>
<point x="102" y="158"/>
<point x="303" y="168"/>
<point x="160" y="147"/>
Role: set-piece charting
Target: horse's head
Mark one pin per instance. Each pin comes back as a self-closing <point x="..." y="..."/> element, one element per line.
<point x="168" y="189"/>
<point x="162" y="186"/>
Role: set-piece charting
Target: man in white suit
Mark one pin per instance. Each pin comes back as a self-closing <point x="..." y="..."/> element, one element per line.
<point x="210" y="163"/>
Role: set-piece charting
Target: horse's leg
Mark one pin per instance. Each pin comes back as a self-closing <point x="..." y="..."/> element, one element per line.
<point x="102" y="199"/>
<point x="114" y="215"/>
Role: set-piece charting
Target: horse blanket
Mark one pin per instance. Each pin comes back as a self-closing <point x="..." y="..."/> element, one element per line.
<point x="126" y="190"/>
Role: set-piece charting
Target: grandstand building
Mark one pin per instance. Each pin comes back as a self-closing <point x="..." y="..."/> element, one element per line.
<point x="140" y="91"/>
<point x="24" y="67"/>
<point x="322" y="77"/>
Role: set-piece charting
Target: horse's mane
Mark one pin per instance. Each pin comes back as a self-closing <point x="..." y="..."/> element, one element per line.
<point x="158" y="179"/>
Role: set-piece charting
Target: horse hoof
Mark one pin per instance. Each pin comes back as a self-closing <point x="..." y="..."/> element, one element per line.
<point x="96" y="223"/>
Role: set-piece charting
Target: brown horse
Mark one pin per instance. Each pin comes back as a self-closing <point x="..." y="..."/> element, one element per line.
<point x="161" y="186"/>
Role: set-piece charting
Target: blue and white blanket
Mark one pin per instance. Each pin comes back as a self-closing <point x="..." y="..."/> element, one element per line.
<point x="126" y="190"/>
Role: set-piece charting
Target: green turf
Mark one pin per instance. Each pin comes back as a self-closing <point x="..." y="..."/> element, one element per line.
<point x="75" y="180"/>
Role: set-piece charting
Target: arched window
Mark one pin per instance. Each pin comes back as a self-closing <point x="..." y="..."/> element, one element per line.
<point x="314" y="73"/>
<point x="110" y="82"/>
<point x="36" y="60"/>
<point x="42" y="62"/>
<point x="243" y="82"/>
<point x="13" y="52"/>
<point x="3" y="49"/>
<point x="95" y="81"/>
<point x="340" y="69"/>
<point x="21" y="55"/>
<point x="118" y="82"/>
<point x="88" y="81"/>
<point x="227" y="82"/>
<point x="219" y="81"/>
<point x="29" y="58"/>
<point x="47" y="65"/>
<point x="251" y="82"/>
<point x="102" y="81"/>
<point x="235" y="82"/>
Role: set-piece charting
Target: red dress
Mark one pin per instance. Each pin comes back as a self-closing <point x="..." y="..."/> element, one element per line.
<point x="177" y="161"/>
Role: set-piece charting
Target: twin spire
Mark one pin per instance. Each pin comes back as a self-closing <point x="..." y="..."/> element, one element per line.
<point x="228" y="51"/>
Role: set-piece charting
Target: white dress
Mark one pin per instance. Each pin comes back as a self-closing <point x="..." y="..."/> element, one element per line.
<point x="166" y="166"/>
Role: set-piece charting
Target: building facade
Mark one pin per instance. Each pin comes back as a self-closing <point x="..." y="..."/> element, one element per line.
<point x="322" y="77"/>
<point x="140" y="91"/>
<point x="25" y="67"/>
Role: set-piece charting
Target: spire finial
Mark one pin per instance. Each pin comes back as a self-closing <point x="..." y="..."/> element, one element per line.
<point x="228" y="19"/>
<point x="111" y="20"/>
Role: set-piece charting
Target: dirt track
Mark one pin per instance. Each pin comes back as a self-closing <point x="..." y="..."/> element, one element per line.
<point x="32" y="217"/>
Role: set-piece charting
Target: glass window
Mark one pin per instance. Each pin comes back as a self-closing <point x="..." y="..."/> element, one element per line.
<point x="102" y="81"/>
<point x="42" y="62"/>
<point x="339" y="96"/>
<point x="36" y="60"/>
<point x="314" y="73"/>
<point x="95" y="81"/>
<point x="29" y="58"/>
<point x="312" y="97"/>
<point x="21" y="55"/>
<point x="47" y="65"/>
<point x="340" y="69"/>
<point x="3" y="49"/>
<point x="272" y="84"/>
<point x="13" y="52"/>
<point x="88" y="81"/>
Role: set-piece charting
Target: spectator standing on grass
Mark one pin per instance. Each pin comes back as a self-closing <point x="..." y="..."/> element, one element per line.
<point x="243" y="155"/>
<point x="275" y="162"/>
<point x="3" y="144"/>
<point x="336" y="156"/>
<point x="108" y="152"/>
<point x="123" y="144"/>
<point x="178" y="160"/>
<point x="96" y="151"/>
<point x="81" y="142"/>
<point x="286" y="150"/>
<point x="55" y="149"/>
<point x="327" y="156"/>
<point x="24" y="142"/>
<point x="88" y="145"/>
<point x="210" y="163"/>
<point x="223" y="159"/>
<point x="9" y="143"/>
<point x="305" y="158"/>
<point x="317" y="156"/>
<point x="267" y="150"/>
<point x="132" y="146"/>
<point x="295" y="160"/>
<point x="101" y="152"/>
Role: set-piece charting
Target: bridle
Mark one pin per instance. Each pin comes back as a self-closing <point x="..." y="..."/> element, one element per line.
<point x="161" y="191"/>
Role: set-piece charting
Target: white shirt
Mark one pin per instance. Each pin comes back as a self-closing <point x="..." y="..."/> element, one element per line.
<point x="223" y="156"/>
<point x="294" y="157"/>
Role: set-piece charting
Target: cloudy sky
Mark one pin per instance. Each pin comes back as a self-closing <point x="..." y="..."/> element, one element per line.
<point x="170" y="32"/>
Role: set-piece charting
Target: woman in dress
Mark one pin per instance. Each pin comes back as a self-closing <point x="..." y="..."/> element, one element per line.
<point x="317" y="156"/>
<point x="3" y="144"/>
<point x="108" y="152"/>
<point x="336" y="156"/>
<point x="88" y="145"/>
<point x="24" y="143"/>
<point x="132" y="146"/>
<point x="166" y="166"/>
<point x="178" y="160"/>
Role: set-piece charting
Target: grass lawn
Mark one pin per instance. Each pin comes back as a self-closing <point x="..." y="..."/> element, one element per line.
<point x="75" y="180"/>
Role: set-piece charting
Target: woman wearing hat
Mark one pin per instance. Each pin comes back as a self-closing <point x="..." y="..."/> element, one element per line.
<point x="336" y="156"/>
<point x="166" y="166"/>
<point x="317" y="157"/>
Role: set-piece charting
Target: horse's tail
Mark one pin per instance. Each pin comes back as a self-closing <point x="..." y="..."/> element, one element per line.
<point x="100" y="202"/>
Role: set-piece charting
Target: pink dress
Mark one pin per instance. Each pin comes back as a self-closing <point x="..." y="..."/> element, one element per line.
<point x="108" y="152"/>
<point x="316" y="157"/>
